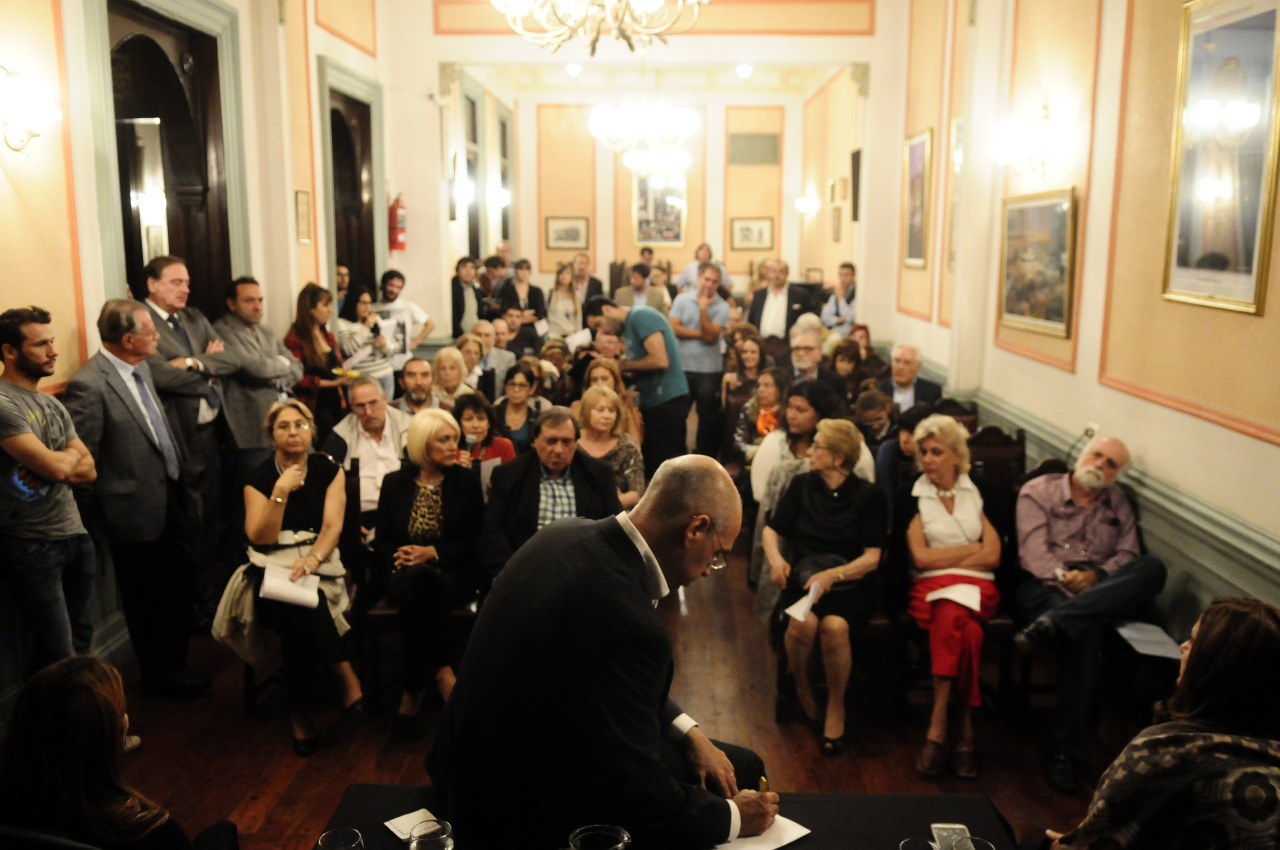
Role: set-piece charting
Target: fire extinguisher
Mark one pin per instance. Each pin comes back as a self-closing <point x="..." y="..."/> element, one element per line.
<point x="396" y="223"/>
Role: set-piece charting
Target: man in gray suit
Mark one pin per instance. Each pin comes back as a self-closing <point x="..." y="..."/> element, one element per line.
<point x="266" y="372"/>
<point x="186" y="366"/>
<point x="138" y="501"/>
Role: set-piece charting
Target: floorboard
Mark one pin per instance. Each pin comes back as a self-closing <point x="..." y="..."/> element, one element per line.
<point x="206" y="759"/>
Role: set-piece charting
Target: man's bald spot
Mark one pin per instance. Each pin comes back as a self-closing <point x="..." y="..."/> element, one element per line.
<point x="689" y="485"/>
<point x="1112" y="446"/>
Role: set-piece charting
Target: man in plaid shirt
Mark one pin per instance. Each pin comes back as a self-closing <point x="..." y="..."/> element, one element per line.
<point x="1078" y="538"/>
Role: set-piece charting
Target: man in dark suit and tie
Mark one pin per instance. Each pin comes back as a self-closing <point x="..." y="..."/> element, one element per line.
<point x="587" y="284"/>
<point x="138" y="501"/>
<point x="186" y="366"/>
<point x="561" y="716"/>
<point x="904" y="386"/>
<point x="554" y="481"/>
<point x="775" y="308"/>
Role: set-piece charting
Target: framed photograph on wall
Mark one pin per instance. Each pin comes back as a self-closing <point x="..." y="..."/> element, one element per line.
<point x="751" y="234"/>
<point x="302" y="216"/>
<point x="835" y="224"/>
<point x="659" y="213"/>
<point x="1037" y="261"/>
<point x="565" y="233"/>
<point x="916" y="154"/>
<point x="1224" y="155"/>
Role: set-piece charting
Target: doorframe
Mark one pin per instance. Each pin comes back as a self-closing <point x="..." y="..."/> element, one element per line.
<point x="211" y="18"/>
<point x="332" y="76"/>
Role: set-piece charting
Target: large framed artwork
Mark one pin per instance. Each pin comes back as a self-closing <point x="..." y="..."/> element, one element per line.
<point x="568" y="233"/>
<point x="916" y="154"/>
<point x="1037" y="260"/>
<point x="1224" y="155"/>
<point x="660" y="206"/>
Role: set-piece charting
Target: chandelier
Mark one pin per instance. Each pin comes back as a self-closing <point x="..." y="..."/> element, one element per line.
<point x="648" y="135"/>
<point x="550" y="23"/>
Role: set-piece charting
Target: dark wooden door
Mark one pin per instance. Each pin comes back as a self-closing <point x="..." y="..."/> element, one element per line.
<point x="352" y="168"/>
<point x="165" y="75"/>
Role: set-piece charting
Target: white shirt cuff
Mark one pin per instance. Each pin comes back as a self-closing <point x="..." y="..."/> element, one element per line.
<point x="681" y="726"/>
<point x="735" y="820"/>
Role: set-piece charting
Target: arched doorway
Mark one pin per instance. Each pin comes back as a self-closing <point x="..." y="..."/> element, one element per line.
<point x="169" y="144"/>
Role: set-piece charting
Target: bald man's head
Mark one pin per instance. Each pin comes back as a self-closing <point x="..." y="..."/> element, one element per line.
<point x="690" y="512"/>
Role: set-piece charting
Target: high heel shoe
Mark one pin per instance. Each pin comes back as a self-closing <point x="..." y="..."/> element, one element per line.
<point x="932" y="758"/>
<point x="305" y="747"/>
<point x="832" y="746"/>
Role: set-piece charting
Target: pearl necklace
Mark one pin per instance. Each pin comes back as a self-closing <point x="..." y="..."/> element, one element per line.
<point x="946" y="494"/>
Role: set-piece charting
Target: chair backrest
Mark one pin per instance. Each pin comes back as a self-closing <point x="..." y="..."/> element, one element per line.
<point x="20" y="838"/>
<point x="964" y="413"/>
<point x="998" y="457"/>
<point x="618" y="276"/>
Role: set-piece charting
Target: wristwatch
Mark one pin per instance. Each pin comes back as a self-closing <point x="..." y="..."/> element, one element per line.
<point x="191" y="363"/>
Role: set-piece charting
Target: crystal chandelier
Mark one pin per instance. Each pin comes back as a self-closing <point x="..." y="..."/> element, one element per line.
<point x="550" y="23"/>
<point x="648" y="135"/>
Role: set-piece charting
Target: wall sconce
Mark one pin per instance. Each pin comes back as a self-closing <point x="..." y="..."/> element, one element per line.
<point x="26" y="111"/>
<point x="1022" y="144"/>
<point x="807" y="204"/>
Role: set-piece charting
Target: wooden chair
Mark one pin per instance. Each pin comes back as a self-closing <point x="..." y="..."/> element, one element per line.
<point x="618" y="276"/>
<point x="998" y="458"/>
<point x="964" y="413"/>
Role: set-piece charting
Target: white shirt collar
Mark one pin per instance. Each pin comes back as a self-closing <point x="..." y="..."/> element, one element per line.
<point x="123" y="367"/>
<point x="925" y="487"/>
<point x="659" y="581"/>
<point x="163" y="314"/>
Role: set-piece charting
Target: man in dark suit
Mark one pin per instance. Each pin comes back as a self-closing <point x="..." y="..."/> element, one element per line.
<point x="561" y="716"/>
<point x="186" y="366"/>
<point x="138" y="501"/>
<point x="587" y="284"/>
<point x="904" y="386"/>
<point x="554" y="481"/>
<point x="775" y="308"/>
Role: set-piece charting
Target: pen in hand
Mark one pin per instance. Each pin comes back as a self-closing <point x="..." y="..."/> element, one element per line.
<point x="764" y="784"/>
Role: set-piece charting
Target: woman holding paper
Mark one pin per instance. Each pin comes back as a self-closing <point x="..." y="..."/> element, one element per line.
<point x="360" y="329"/>
<point x="823" y="542"/>
<point x="954" y="549"/>
<point x="429" y="518"/>
<point x="294" y="505"/>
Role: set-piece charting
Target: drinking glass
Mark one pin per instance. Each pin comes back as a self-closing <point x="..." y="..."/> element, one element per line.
<point x="917" y="844"/>
<point x="599" y="837"/>
<point x="431" y="835"/>
<point x="342" y="839"/>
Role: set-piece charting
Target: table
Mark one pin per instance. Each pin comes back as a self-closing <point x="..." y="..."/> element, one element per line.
<point x="838" y="821"/>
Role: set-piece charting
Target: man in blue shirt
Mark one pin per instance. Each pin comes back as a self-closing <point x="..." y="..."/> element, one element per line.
<point x="652" y="355"/>
<point x="698" y="318"/>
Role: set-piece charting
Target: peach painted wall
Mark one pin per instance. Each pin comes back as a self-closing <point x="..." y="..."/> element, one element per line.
<point x="566" y="179"/>
<point x="751" y="191"/>
<point x="844" y="134"/>
<point x="40" y="261"/>
<point x="353" y="21"/>
<point x="945" y="159"/>
<point x="1211" y="363"/>
<point x="301" y="123"/>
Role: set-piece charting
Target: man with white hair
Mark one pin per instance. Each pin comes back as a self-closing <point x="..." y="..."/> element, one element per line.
<point x="496" y="359"/>
<point x="905" y="386"/>
<point x="566" y="681"/>
<point x="806" y="359"/>
<point x="1078" y="538"/>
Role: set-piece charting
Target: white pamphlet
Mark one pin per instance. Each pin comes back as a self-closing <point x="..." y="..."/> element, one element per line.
<point x="486" y="472"/>
<point x="967" y="595"/>
<point x="276" y="585"/>
<point x="403" y="825"/>
<point x="800" y="610"/>
<point x="542" y="327"/>
<point x="577" y="339"/>
<point x="781" y="832"/>
<point x="1149" y="639"/>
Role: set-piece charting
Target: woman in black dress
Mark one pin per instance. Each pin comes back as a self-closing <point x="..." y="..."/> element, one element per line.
<point x="826" y="533"/>
<point x="429" y="518"/>
<point x="520" y="292"/>
<point x="294" y="505"/>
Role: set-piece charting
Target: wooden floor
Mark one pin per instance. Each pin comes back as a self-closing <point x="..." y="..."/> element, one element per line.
<point x="206" y="760"/>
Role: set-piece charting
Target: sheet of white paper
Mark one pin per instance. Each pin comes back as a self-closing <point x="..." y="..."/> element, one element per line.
<point x="1148" y="639"/>
<point x="276" y="585"/>
<point x="542" y="327"/>
<point x="356" y="359"/>
<point x="403" y="825"/>
<point x="967" y="595"/>
<point x="782" y="832"/>
<point x="804" y="605"/>
<point x="486" y="472"/>
<point x="578" y="339"/>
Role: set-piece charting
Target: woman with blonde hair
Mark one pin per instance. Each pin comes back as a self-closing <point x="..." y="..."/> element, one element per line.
<point x="564" y="305"/>
<point x="450" y="370"/>
<point x="60" y="765"/>
<point x="605" y="372"/>
<point x="826" y="532"/>
<point x="603" y="438"/>
<point x="429" y="517"/>
<point x="472" y="349"/>
<point x="954" y="549"/>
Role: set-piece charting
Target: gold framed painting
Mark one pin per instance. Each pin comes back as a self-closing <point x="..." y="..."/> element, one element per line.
<point x="1224" y="155"/>
<point x="1037" y="262"/>
<point x="917" y="152"/>
<point x="658" y="216"/>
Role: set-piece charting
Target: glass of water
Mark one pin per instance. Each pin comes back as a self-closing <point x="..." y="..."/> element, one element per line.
<point x="342" y="839"/>
<point x="599" y="837"/>
<point x="431" y="835"/>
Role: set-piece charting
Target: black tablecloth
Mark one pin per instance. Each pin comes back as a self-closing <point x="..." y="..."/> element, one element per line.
<point x="837" y="821"/>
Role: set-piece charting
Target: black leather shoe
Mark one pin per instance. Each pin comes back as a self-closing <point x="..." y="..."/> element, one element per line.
<point x="1062" y="774"/>
<point x="305" y="747"/>
<point x="1036" y="636"/>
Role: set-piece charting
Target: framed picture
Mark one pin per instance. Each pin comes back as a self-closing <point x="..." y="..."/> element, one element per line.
<point x="567" y="233"/>
<point x="916" y="155"/>
<point x="1224" y="155"/>
<point x="659" y="213"/>
<point x="835" y="224"/>
<point x="302" y="214"/>
<point x="813" y="275"/>
<point x="751" y="234"/>
<point x="1037" y="259"/>
<point x="855" y="181"/>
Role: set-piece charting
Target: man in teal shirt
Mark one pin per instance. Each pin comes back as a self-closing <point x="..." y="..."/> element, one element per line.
<point x="654" y="358"/>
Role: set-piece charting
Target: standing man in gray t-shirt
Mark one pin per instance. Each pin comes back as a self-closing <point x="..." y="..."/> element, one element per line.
<point x="45" y="553"/>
